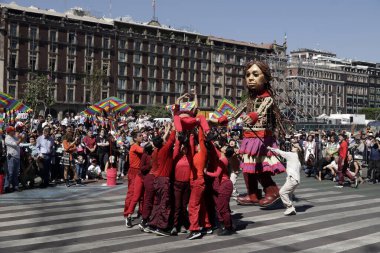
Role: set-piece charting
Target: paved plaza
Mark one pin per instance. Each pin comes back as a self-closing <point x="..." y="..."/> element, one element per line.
<point x="89" y="219"/>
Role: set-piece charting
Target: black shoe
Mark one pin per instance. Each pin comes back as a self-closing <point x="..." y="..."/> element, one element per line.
<point x="143" y="225"/>
<point x="194" y="235"/>
<point x="68" y="183"/>
<point x="207" y="231"/>
<point x="128" y="222"/>
<point x="161" y="232"/>
<point x="226" y="231"/>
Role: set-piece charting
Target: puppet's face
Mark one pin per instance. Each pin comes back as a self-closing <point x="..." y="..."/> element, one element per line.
<point x="255" y="78"/>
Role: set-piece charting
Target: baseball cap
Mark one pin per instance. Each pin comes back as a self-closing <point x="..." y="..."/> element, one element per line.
<point x="10" y="129"/>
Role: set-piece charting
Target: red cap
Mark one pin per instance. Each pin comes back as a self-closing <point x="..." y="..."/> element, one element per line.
<point x="10" y="129"/>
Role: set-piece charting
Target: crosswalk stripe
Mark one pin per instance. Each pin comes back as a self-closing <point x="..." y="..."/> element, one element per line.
<point x="251" y="232"/>
<point x="61" y="209"/>
<point x="60" y="203"/>
<point x="97" y="221"/>
<point x="344" y="246"/>
<point x="310" y="235"/>
<point x="244" y="232"/>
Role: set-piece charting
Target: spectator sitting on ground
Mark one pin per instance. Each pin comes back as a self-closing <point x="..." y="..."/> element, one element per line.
<point x="93" y="171"/>
<point x="309" y="166"/>
<point x="333" y="167"/>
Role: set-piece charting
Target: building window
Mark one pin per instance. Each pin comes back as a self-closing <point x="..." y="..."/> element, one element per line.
<point x="151" y="99"/>
<point x="70" y="79"/>
<point x="152" y="48"/>
<point x="72" y="38"/>
<point x="166" y="86"/>
<point x="12" y="88"/>
<point x="104" y="94"/>
<point x="228" y="92"/>
<point x="204" y="77"/>
<point x="122" y="57"/>
<point x="136" y="85"/>
<point x="152" y="85"/>
<point x="204" y="102"/>
<point x="165" y="99"/>
<point x="229" y="80"/>
<point x="166" y="74"/>
<point x="204" y="66"/>
<point x="121" y="96"/>
<point x="179" y="75"/>
<point x="179" y="51"/>
<point x="13" y="61"/>
<point x="70" y="93"/>
<point x="137" y="45"/>
<point x="106" y="68"/>
<point x="32" y="62"/>
<point x="106" y="43"/>
<point x="192" y="53"/>
<point x="71" y="66"/>
<point x="121" y="84"/>
<point x="239" y="93"/>
<point x="192" y="65"/>
<point x="136" y="98"/>
<point x="179" y="87"/>
<point x="152" y="60"/>
<point x="137" y="71"/>
<point x="71" y="50"/>
<point x="121" y="70"/>
<point x="192" y="76"/>
<point x="166" y="49"/>
<point x="166" y="62"/>
<point x="87" y="95"/>
<point x="137" y="58"/>
<point x="179" y="63"/>
<point x="13" y="30"/>
<point x="122" y="43"/>
<point x="152" y="72"/>
<point x="216" y="91"/>
<point x="204" y="90"/>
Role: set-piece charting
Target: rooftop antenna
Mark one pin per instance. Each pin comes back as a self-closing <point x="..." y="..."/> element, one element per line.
<point x="110" y="8"/>
<point x="154" y="10"/>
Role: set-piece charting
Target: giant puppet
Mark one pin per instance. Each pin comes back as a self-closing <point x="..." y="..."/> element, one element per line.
<point x="260" y="116"/>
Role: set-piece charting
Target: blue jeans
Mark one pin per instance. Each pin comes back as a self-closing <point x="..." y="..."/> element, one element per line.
<point x="79" y="168"/>
<point x="12" y="173"/>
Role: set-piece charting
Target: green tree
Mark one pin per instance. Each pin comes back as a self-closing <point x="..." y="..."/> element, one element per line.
<point x="39" y="91"/>
<point x="154" y="111"/>
<point x="371" y="113"/>
<point x="95" y="81"/>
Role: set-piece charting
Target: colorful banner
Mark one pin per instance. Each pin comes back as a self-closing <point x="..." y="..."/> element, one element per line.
<point x="225" y="108"/>
<point x="122" y="108"/>
<point x="109" y="103"/>
<point x="8" y="102"/>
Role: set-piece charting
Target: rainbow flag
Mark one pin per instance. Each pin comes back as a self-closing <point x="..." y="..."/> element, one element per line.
<point x="224" y="108"/>
<point x="109" y="103"/>
<point x="5" y="99"/>
<point x="92" y="110"/>
<point x="19" y="107"/>
<point x="184" y="106"/>
<point x="124" y="108"/>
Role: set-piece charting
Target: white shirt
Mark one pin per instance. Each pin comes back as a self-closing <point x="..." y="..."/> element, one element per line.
<point x="13" y="148"/>
<point x="293" y="164"/>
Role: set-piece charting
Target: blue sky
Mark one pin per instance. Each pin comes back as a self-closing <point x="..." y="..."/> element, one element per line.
<point x="349" y="28"/>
